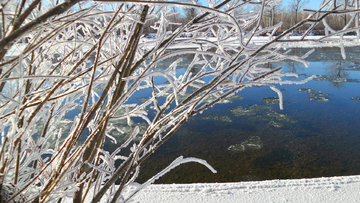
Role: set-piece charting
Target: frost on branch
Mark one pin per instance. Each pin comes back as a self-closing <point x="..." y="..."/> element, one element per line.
<point x="71" y="74"/>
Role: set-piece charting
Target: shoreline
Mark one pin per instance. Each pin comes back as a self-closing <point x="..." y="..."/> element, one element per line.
<point x="325" y="189"/>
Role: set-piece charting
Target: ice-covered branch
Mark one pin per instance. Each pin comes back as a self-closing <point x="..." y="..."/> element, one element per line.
<point x="71" y="73"/>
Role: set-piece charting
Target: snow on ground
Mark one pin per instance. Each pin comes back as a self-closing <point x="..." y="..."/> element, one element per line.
<point x="330" y="190"/>
<point x="347" y="41"/>
<point x="293" y="42"/>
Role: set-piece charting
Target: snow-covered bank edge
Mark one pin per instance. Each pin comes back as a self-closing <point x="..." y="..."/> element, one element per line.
<point x="347" y="41"/>
<point x="332" y="189"/>
<point x="292" y="42"/>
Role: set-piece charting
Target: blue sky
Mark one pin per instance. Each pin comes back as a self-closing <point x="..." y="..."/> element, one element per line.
<point x="312" y="4"/>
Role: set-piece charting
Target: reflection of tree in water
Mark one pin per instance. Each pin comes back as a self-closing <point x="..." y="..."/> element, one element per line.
<point x="293" y="67"/>
<point x="356" y="65"/>
<point x="338" y="74"/>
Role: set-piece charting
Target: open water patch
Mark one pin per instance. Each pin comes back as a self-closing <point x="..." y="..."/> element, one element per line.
<point x="248" y="137"/>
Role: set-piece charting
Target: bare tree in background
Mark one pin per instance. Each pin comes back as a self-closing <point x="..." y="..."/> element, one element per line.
<point x="274" y="14"/>
<point x="296" y="6"/>
<point x="191" y="12"/>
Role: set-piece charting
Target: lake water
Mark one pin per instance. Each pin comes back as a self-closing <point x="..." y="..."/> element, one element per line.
<point x="317" y="134"/>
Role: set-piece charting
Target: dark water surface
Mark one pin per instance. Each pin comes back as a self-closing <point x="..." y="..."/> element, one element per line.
<point x="317" y="134"/>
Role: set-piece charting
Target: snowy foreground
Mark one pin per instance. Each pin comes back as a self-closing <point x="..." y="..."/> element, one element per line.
<point x="333" y="189"/>
<point x="344" y="189"/>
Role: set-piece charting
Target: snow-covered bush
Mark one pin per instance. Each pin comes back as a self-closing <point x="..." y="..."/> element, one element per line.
<point x="70" y="70"/>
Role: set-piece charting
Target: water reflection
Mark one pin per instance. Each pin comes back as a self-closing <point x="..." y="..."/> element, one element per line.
<point x="294" y="67"/>
<point x="334" y="79"/>
<point x="337" y="74"/>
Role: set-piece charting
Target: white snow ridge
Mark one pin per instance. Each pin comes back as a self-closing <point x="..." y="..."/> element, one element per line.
<point x="333" y="189"/>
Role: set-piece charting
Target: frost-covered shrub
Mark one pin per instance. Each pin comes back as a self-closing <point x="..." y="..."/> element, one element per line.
<point x="70" y="72"/>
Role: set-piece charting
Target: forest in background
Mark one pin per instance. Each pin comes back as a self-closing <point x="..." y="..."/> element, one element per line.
<point x="289" y="15"/>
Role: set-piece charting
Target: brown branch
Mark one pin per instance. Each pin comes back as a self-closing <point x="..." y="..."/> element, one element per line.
<point x="19" y="19"/>
<point x="17" y="163"/>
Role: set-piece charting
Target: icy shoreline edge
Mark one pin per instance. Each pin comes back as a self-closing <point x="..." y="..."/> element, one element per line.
<point x="334" y="41"/>
<point x="326" y="189"/>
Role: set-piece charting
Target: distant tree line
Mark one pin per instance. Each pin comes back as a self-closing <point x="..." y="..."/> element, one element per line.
<point x="289" y="15"/>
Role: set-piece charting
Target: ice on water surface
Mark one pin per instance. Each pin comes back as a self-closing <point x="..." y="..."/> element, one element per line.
<point x="268" y="101"/>
<point x="321" y="99"/>
<point x="217" y="118"/>
<point x="263" y="112"/>
<point x="253" y="143"/>
<point x="318" y="96"/>
<point x="280" y="116"/>
<point x="241" y="111"/>
<point x="308" y="90"/>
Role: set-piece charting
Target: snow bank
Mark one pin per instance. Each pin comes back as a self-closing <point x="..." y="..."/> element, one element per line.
<point x="293" y="42"/>
<point x="348" y="41"/>
<point x="333" y="189"/>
